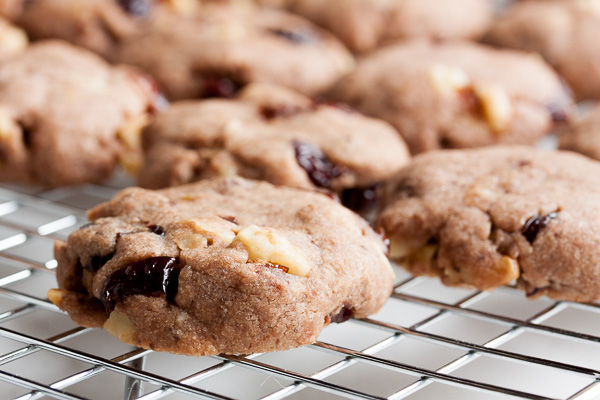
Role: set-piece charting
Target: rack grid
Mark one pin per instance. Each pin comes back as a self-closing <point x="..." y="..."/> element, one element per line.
<point x="428" y="341"/>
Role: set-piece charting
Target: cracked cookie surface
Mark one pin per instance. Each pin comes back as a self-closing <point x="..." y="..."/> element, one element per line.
<point x="68" y="117"/>
<point x="489" y="216"/>
<point x="221" y="266"/>
<point x="457" y="94"/>
<point x="275" y="134"/>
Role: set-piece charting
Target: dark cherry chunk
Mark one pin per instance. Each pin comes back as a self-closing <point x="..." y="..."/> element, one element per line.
<point x="154" y="277"/>
<point x="97" y="262"/>
<point x="218" y="86"/>
<point x="282" y="111"/>
<point x="137" y="8"/>
<point x="229" y="218"/>
<point x="342" y="316"/>
<point x="302" y="36"/>
<point x="361" y="200"/>
<point x="536" y="223"/>
<point x="319" y="169"/>
<point x="157" y="230"/>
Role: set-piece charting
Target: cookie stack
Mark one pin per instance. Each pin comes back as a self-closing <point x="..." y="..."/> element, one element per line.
<point x="264" y="132"/>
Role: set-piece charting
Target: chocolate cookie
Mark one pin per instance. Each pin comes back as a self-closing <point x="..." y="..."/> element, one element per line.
<point x="221" y="266"/>
<point x="275" y="134"/>
<point x="67" y="117"/>
<point x="217" y="50"/>
<point x="457" y="94"/>
<point x="565" y="33"/>
<point x="365" y="24"/>
<point x="584" y="136"/>
<point x="489" y="216"/>
<point x="12" y="40"/>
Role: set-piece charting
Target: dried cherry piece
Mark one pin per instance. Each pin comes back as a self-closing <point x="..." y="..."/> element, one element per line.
<point x="154" y="277"/>
<point x="218" y="86"/>
<point x="343" y="315"/>
<point x="97" y="262"/>
<point x="361" y="200"/>
<point x="282" y="111"/>
<point x="157" y="230"/>
<point x="536" y="223"/>
<point x="301" y="36"/>
<point x="319" y="169"/>
<point x="137" y="8"/>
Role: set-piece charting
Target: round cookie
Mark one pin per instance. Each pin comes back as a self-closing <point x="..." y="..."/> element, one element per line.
<point x="275" y="134"/>
<point x="68" y="117"/>
<point x="218" y="49"/>
<point x="221" y="266"/>
<point x="584" y="135"/>
<point x="486" y="217"/>
<point x="94" y="24"/>
<point x="565" y="33"/>
<point x="364" y="24"/>
<point x="457" y="94"/>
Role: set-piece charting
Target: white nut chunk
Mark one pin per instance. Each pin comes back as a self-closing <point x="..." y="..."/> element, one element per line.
<point x="496" y="106"/>
<point x="448" y="79"/>
<point x="267" y="245"/>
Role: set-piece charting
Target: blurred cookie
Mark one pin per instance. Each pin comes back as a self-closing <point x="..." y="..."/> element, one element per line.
<point x="68" y="117"/>
<point x="365" y="24"/>
<point x="565" y="33"/>
<point x="275" y="134"/>
<point x="457" y="94"/>
<point x="489" y="216"/>
<point x="215" y="51"/>
<point x="584" y="136"/>
<point x="221" y="266"/>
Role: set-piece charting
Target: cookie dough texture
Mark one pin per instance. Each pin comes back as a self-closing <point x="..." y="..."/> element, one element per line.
<point x="259" y="135"/>
<point x="457" y="94"/>
<point x="228" y="298"/>
<point x="584" y="136"/>
<point x="564" y="32"/>
<point x="365" y="24"/>
<point x="66" y="116"/>
<point x="489" y="216"/>
<point x="195" y="55"/>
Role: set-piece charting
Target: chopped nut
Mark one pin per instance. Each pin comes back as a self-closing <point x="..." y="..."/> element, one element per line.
<point x="507" y="269"/>
<point x="200" y="232"/>
<point x="496" y="106"/>
<point x="185" y="7"/>
<point x="399" y="249"/>
<point x="447" y="79"/>
<point x="56" y="296"/>
<point x="420" y="262"/>
<point x="7" y="125"/>
<point x="120" y="326"/>
<point x="216" y="227"/>
<point x="12" y="38"/>
<point x="130" y="134"/>
<point x="265" y="244"/>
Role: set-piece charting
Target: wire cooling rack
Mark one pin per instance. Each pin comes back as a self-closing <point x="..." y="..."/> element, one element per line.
<point x="428" y="342"/>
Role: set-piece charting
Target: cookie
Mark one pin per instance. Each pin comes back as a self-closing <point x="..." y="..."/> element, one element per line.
<point x="457" y="94"/>
<point x="364" y="24"/>
<point x="564" y="32"/>
<point x="486" y="217"/>
<point x="584" y="135"/>
<point x="217" y="50"/>
<point x="68" y="117"/>
<point x="275" y="134"/>
<point x="221" y="266"/>
<point x="12" y="40"/>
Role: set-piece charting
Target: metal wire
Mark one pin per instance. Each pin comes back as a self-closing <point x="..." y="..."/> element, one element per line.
<point x="29" y="222"/>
